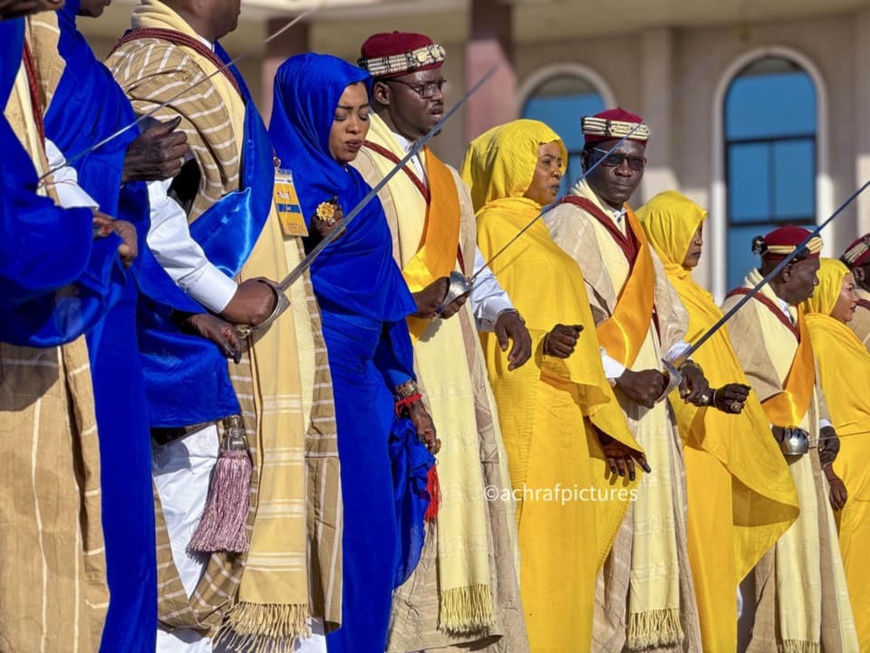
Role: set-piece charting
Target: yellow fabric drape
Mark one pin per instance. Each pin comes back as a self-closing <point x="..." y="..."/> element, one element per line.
<point x="789" y="406"/>
<point x="741" y="496"/>
<point x="624" y="333"/>
<point x="436" y="256"/>
<point x="844" y="373"/>
<point x="568" y="508"/>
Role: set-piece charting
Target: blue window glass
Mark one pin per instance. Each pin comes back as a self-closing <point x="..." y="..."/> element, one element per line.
<point x="770" y="155"/>
<point x="560" y="102"/>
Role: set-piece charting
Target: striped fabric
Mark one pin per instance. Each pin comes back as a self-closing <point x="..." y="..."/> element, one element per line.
<point x="261" y="599"/>
<point x="53" y="593"/>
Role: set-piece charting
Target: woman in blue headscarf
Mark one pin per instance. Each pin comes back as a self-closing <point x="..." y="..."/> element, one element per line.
<point x="319" y="123"/>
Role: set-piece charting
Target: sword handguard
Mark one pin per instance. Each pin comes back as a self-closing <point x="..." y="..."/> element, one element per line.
<point x="282" y="303"/>
<point x="675" y="378"/>
<point x="459" y="286"/>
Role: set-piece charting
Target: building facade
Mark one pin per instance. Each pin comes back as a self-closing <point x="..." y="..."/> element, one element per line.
<point x="759" y="109"/>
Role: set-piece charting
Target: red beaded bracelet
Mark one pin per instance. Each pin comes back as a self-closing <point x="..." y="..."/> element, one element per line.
<point x="405" y="402"/>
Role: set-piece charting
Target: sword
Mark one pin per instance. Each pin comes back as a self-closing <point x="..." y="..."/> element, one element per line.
<point x="672" y="365"/>
<point x="246" y="53"/>
<point x="280" y="289"/>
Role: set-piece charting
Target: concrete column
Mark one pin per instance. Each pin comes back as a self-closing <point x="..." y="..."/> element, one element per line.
<point x="295" y="40"/>
<point x="657" y="108"/>
<point x="490" y="42"/>
<point x="862" y="119"/>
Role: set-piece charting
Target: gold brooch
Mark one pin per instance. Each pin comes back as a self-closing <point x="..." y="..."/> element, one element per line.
<point x="326" y="212"/>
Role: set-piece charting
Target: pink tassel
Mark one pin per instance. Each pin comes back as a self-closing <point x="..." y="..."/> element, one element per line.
<point x="222" y="526"/>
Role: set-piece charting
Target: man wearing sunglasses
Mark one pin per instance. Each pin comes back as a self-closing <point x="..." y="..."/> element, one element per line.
<point x="640" y="320"/>
<point x="465" y="588"/>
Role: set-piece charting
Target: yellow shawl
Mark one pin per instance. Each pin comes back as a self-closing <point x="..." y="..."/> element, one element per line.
<point x="763" y="498"/>
<point x="499" y="166"/>
<point x="838" y="349"/>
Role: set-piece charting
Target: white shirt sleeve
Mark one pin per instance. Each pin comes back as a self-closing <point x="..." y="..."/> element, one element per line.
<point x="488" y="298"/>
<point x="612" y="368"/>
<point x="825" y="422"/>
<point x="66" y="181"/>
<point x="181" y="256"/>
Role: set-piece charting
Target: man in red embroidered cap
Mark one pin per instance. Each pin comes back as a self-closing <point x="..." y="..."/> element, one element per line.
<point x="800" y="598"/>
<point x="857" y="259"/>
<point x="465" y="589"/>
<point x="650" y="599"/>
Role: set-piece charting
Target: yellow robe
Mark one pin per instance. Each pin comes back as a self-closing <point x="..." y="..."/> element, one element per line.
<point x="801" y="599"/>
<point x="740" y="493"/>
<point x="646" y="597"/>
<point x="837" y="349"/>
<point x="569" y="505"/>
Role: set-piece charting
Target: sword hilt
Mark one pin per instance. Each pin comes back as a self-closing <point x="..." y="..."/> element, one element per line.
<point x="282" y="303"/>
<point x="459" y="285"/>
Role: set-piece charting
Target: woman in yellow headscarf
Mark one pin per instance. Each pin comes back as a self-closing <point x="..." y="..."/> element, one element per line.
<point x="566" y="437"/>
<point x="843" y="365"/>
<point x="741" y="496"/>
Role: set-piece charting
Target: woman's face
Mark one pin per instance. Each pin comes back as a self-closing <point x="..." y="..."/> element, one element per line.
<point x="350" y="124"/>
<point x="693" y="255"/>
<point x="844" y="309"/>
<point x="548" y="174"/>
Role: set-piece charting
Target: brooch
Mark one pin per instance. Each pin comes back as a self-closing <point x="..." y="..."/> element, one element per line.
<point x="326" y="212"/>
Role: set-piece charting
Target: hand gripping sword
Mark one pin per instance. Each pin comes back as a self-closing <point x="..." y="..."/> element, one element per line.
<point x="673" y="365"/>
<point x="281" y="288"/>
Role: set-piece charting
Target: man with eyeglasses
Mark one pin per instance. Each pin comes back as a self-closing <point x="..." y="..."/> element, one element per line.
<point x="640" y="320"/>
<point x="857" y="259"/>
<point x="465" y="588"/>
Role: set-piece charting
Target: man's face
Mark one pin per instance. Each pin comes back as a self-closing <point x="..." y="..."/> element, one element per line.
<point x="411" y="111"/>
<point x="802" y="280"/>
<point x="617" y="177"/>
<point x="17" y="8"/>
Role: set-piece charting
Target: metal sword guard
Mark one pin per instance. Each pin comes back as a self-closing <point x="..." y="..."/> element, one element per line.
<point x="795" y="441"/>
<point x="459" y="285"/>
<point x="282" y="303"/>
<point x="675" y="378"/>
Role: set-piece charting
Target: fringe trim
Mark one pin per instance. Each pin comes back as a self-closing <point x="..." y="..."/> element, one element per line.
<point x="799" y="646"/>
<point x="466" y="609"/>
<point x="263" y="627"/>
<point x="654" y="629"/>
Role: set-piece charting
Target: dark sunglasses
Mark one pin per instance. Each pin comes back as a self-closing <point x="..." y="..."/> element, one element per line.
<point x="615" y="160"/>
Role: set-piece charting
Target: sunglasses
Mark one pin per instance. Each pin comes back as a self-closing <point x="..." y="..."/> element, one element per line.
<point x="615" y="160"/>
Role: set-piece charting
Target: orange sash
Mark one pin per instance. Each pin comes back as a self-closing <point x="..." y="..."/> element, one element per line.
<point x="437" y="253"/>
<point x="624" y="332"/>
<point x="789" y="406"/>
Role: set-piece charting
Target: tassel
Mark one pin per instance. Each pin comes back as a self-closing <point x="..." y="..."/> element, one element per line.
<point x="223" y="523"/>
<point x="433" y="487"/>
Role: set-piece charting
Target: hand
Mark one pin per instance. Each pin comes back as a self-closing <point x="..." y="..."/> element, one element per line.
<point x="694" y="388"/>
<point x="620" y="458"/>
<point x="217" y="330"/>
<point x="158" y="153"/>
<point x="322" y="228"/>
<point x="252" y="304"/>
<point x="429" y="299"/>
<point x="422" y="421"/>
<point x="731" y="398"/>
<point x="127" y="250"/>
<point x="838" y="493"/>
<point x="829" y="445"/>
<point x="644" y="387"/>
<point x="560" y="342"/>
<point x="510" y="326"/>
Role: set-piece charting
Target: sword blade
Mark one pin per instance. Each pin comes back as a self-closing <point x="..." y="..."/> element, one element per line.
<point x="541" y="214"/>
<point x="299" y="270"/>
<point x="770" y="276"/>
<point x="123" y="130"/>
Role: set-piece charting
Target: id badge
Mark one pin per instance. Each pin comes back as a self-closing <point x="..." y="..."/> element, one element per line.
<point x="287" y="205"/>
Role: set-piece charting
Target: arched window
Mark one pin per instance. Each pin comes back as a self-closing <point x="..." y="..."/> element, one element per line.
<point x="560" y="101"/>
<point x="770" y="155"/>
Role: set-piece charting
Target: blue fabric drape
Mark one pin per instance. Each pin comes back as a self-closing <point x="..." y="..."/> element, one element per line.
<point x="364" y="301"/>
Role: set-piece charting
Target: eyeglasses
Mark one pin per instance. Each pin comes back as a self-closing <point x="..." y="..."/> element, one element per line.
<point x="615" y="160"/>
<point x="425" y="91"/>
